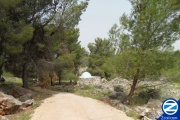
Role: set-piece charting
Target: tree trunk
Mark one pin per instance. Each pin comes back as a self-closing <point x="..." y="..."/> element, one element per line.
<point x="51" y="77"/>
<point x="133" y="87"/>
<point x="70" y="81"/>
<point x="59" y="75"/>
<point x="1" y="69"/>
<point x="24" y="77"/>
<point x="59" y="81"/>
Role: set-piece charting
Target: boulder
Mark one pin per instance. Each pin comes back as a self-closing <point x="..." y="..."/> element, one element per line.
<point x="25" y="97"/>
<point x="19" y="91"/>
<point x="9" y="105"/>
<point x="154" y="114"/>
<point x="28" y="103"/>
<point x="150" y="111"/>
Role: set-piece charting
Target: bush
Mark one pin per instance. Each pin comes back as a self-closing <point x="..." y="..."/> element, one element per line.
<point x="69" y="76"/>
<point x="143" y="96"/>
<point x="150" y="93"/>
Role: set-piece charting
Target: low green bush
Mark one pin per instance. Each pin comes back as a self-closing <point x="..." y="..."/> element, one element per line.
<point x="143" y="96"/>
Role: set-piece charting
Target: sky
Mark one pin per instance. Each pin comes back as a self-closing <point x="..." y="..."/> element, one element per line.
<point x="100" y="16"/>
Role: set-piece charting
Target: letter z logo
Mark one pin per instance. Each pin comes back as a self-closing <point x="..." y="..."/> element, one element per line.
<point x="170" y="107"/>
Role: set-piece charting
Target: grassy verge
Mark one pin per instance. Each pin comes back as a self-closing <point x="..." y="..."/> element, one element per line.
<point x="86" y="91"/>
<point x="90" y="91"/>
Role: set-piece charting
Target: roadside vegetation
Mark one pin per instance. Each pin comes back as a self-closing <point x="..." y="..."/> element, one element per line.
<point x="39" y="45"/>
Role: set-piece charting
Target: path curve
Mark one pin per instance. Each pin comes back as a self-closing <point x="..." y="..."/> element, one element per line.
<point x="67" y="106"/>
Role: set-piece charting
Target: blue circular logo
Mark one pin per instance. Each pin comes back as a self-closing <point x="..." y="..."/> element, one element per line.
<point x="170" y="106"/>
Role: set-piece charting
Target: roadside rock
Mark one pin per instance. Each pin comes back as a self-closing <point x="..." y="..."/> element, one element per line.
<point x="154" y="114"/>
<point x="11" y="105"/>
<point x="25" y="97"/>
<point x="142" y="110"/>
<point x="150" y="111"/>
<point x="19" y="91"/>
<point x="28" y="103"/>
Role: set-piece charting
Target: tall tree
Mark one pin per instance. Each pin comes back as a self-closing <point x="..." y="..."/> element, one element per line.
<point x="149" y="30"/>
<point x="69" y="54"/>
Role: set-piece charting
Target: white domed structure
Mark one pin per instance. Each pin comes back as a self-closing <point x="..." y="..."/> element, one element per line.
<point x="85" y="75"/>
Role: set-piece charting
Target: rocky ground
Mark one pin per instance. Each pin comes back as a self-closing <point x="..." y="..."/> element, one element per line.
<point x="20" y="100"/>
<point x="157" y="92"/>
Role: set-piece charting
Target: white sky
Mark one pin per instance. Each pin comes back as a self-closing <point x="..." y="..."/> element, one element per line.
<point x="100" y="16"/>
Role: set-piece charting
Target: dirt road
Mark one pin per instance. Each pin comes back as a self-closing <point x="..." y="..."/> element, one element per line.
<point x="67" y="106"/>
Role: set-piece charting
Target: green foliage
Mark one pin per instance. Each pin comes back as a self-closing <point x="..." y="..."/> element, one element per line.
<point x="66" y="66"/>
<point x="69" y="76"/>
<point x="69" y="54"/>
<point x="34" y="30"/>
<point x="143" y="96"/>
<point x="23" y="34"/>
<point x="143" y="40"/>
<point x="5" y="73"/>
<point x="100" y="51"/>
<point x="90" y="91"/>
<point x="172" y="73"/>
<point x="150" y="62"/>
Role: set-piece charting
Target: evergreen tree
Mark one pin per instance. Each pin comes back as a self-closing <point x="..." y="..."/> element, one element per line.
<point x="100" y="51"/>
<point x="144" y="37"/>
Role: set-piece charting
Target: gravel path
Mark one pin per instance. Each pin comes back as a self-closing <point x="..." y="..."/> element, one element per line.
<point x="67" y="106"/>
